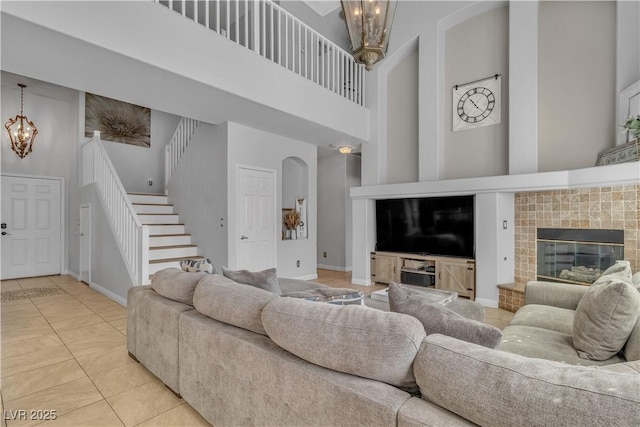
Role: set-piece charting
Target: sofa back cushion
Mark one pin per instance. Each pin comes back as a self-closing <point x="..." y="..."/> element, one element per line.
<point x="352" y="339"/>
<point x="438" y="319"/>
<point x="606" y="314"/>
<point x="487" y="387"/>
<point x="234" y="303"/>
<point x="175" y="284"/>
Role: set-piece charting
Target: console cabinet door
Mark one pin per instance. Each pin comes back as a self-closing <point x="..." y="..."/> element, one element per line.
<point x="384" y="268"/>
<point x="457" y="276"/>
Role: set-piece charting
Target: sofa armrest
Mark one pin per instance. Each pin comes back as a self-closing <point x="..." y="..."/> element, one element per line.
<point x="561" y="295"/>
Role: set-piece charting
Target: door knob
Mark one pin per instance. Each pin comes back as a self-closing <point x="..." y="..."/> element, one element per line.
<point x="4" y="233"/>
<point x="243" y="237"/>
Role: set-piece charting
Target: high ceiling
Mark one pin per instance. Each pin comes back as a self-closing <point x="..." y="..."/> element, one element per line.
<point x="323" y="7"/>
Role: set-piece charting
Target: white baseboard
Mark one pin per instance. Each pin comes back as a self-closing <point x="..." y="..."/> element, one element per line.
<point x="307" y="277"/>
<point x="366" y="282"/>
<point x="334" y="268"/>
<point x="108" y="294"/>
<point x="487" y="302"/>
<point x="74" y="275"/>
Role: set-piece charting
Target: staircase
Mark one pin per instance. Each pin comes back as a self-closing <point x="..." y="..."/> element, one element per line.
<point x="168" y="242"/>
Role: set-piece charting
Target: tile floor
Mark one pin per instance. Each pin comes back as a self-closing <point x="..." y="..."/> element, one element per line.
<point x="64" y="349"/>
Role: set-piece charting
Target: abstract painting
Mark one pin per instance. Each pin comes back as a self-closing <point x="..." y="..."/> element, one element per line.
<point x="117" y="121"/>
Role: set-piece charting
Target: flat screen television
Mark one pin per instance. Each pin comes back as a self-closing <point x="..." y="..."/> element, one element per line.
<point x="432" y="225"/>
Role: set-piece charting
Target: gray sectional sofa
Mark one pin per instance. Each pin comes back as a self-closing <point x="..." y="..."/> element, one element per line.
<point x="241" y="356"/>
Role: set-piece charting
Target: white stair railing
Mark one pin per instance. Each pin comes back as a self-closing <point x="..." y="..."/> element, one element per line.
<point x="131" y="235"/>
<point x="274" y="33"/>
<point x="177" y="146"/>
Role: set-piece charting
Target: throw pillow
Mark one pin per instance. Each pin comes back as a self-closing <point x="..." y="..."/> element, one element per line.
<point x="265" y="279"/>
<point x="620" y="267"/>
<point x="438" y="319"/>
<point x="198" y="266"/>
<point x="605" y="316"/>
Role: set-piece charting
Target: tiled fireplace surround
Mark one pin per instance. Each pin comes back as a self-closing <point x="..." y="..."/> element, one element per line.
<point x="597" y="208"/>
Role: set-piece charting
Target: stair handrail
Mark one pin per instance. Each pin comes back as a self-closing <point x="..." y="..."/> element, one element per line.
<point x="177" y="146"/>
<point x="132" y="236"/>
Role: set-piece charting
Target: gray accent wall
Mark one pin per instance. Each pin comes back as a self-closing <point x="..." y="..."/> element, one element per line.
<point x="337" y="174"/>
<point x="475" y="49"/>
<point x="403" y="120"/>
<point x="108" y="268"/>
<point x="136" y="165"/>
<point x="198" y="191"/>
<point x="576" y="83"/>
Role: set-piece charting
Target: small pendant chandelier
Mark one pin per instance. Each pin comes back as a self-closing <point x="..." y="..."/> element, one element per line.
<point x="22" y="131"/>
<point x="369" y="25"/>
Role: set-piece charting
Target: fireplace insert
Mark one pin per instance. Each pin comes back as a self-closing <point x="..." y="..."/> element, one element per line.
<point x="577" y="255"/>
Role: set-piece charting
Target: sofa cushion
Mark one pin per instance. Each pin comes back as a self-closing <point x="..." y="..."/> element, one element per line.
<point x="632" y="347"/>
<point x="606" y="315"/>
<point x="545" y="317"/>
<point x="198" y="266"/>
<point x="175" y="284"/>
<point x="487" y="387"/>
<point x="437" y="319"/>
<point x="230" y="302"/>
<point x="347" y="338"/>
<point x="265" y="279"/>
<point x="635" y="279"/>
<point x="531" y="341"/>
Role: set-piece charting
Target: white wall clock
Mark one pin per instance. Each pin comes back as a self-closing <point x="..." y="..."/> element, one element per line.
<point x="477" y="103"/>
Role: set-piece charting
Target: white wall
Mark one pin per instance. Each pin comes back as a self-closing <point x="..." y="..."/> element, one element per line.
<point x="54" y="111"/>
<point x="577" y="78"/>
<point x="252" y="147"/>
<point x="403" y="120"/>
<point x="198" y="191"/>
<point x="475" y="49"/>
<point x="136" y="165"/>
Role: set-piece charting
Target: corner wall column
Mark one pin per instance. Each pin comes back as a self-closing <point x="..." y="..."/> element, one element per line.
<point x="364" y="240"/>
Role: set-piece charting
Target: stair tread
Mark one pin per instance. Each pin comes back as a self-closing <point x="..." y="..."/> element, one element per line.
<point x="148" y="194"/>
<point x="154" y="213"/>
<point x="158" y="261"/>
<point x="168" y="235"/>
<point x="151" y="204"/>
<point x="173" y="246"/>
<point x="146" y="223"/>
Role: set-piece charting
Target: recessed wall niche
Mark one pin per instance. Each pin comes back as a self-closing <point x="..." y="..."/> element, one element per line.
<point x="295" y="195"/>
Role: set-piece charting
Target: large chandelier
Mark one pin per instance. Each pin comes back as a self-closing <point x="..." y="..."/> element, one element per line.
<point x="369" y="25"/>
<point x="22" y="131"/>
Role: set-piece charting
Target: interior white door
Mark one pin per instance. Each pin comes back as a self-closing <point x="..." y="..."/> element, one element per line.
<point x="85" y="243"/>
<point x="256" y="246"/>
<point x="32" y="220"/>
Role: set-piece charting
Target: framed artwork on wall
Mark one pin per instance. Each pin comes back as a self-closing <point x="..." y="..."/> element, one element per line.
<point x="117" y="121"/>
<point x="477" y="103"/>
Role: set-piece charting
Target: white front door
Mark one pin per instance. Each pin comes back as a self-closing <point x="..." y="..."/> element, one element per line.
<point x="31" y="219"/>
<point x="256" y="230"/>
<point x="85" y="243"/>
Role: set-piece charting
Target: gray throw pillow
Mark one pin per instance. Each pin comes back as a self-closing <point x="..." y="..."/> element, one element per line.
<point x="265" y="279"/>
<point x="606" y="315"/>
<point x="438" y="319"/>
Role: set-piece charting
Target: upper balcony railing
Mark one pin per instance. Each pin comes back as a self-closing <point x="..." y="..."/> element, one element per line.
<point x="265" y="28"/>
